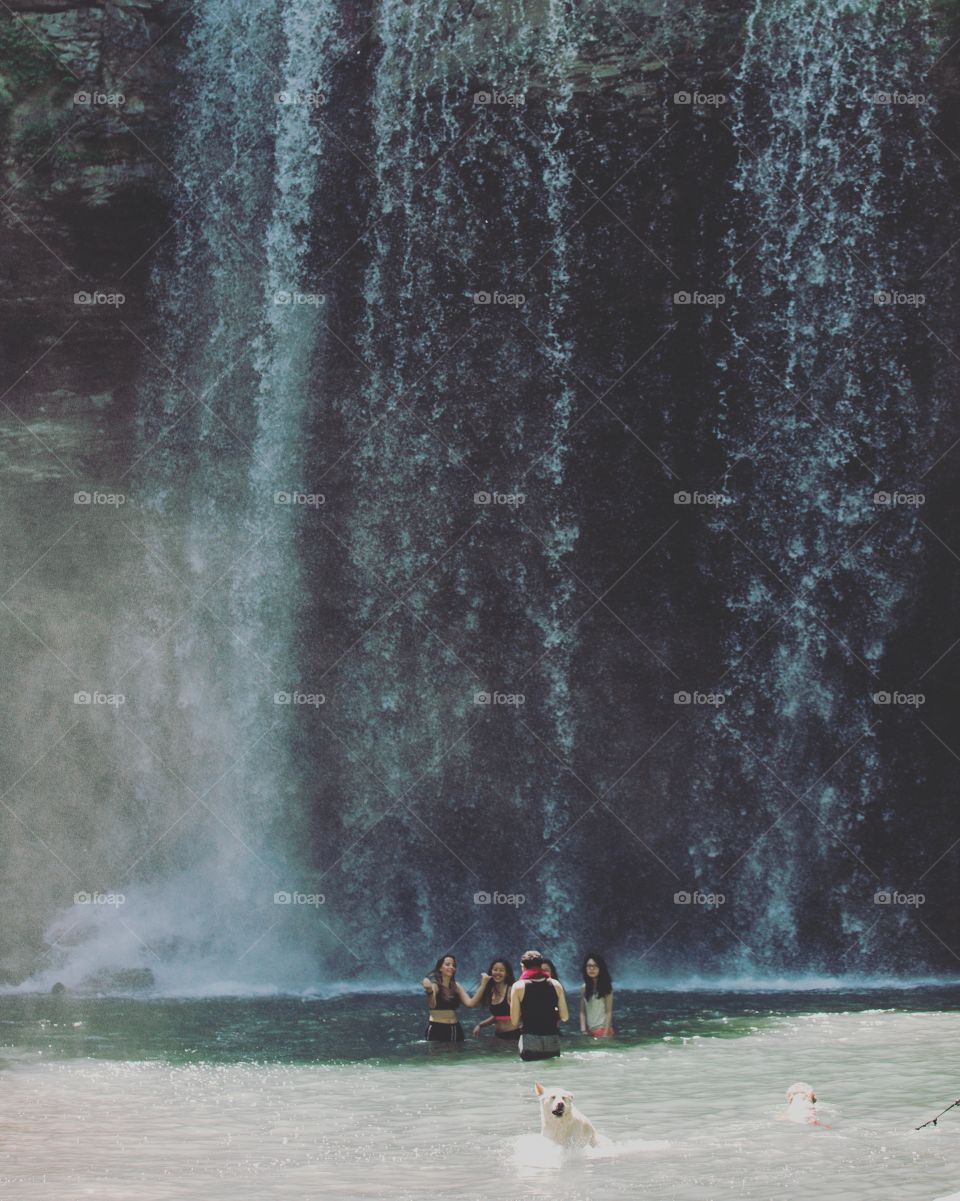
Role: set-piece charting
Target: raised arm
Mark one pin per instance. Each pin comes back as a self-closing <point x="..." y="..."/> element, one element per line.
<point x="469" y="1001"/>
<point x="430" y="989"/>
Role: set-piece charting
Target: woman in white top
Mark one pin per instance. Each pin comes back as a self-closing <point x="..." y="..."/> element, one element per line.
<point x="596" y="998"/>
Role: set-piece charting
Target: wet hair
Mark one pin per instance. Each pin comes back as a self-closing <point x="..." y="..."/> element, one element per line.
<point x="508" y="979"/>
<point x="437" y="978"/>
<point x="548" y="963"/>
<point x="604" y="984"/>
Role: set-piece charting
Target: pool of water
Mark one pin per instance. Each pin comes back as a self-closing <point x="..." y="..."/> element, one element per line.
<point x="384" y="1026"/>
<point x="300" y="1100"/>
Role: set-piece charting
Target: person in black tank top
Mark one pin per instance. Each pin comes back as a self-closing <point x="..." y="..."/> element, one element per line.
<point x="496" y="996"/>
<point x="539" y="1004"/>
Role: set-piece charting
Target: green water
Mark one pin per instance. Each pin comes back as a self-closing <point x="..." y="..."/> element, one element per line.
<point x="385" y="1027"/>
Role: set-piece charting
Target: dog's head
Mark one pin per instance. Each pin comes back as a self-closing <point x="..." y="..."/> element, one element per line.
<point x="555" y="1103"/>
<point x="800" y="1093"/>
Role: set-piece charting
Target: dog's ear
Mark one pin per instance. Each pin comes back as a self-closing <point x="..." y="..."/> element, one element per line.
<point x="538" y="1089"/>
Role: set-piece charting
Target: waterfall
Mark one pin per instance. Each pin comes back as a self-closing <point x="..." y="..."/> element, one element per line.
<point x="222" y="473"/>
<point x="822" y="409"/>
<point x="406" y="608"/>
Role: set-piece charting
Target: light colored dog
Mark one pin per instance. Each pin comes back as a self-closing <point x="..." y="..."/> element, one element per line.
<point x="802" y="1105"/>
<point x="562" y="1122"/>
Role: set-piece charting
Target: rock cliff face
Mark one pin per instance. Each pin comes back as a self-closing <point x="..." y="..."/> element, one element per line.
<point x="85" y="116"/>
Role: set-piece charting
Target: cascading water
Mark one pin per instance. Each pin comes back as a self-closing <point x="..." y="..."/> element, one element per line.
<point x="826" y="405"/>
<point x="220" y="470"/>
<point x="424" y="279"/>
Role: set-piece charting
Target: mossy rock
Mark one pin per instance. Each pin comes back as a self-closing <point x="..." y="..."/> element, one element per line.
<point x="24" y="65"/>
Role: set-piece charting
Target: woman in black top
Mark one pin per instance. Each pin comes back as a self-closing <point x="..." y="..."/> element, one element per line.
<point x="444" y="997"/>
<point x="496" y="995"/>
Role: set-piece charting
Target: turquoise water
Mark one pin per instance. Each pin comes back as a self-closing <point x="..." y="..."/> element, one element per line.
<point x="388" y="1027"/>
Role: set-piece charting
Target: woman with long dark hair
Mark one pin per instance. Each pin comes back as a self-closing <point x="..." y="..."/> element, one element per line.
<point x="496" y="996"/>
<point x="445" y="995"/>
<point x="596" y="997"/>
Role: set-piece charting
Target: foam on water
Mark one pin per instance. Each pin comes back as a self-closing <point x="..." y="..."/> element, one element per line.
<point x="683" y="1122"/>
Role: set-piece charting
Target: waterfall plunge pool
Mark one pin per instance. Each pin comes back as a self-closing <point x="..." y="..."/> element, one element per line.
<point x="123" y="1099"/>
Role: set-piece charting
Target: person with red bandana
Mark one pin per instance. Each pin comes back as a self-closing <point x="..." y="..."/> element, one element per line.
<point x="538" y="1004"/>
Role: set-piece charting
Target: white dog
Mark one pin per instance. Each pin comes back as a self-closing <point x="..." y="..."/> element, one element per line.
<point x="562" y="1122"/>
<point x="802" y="1105"/>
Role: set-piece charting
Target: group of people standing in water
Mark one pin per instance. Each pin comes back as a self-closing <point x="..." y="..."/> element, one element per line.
<point x="527" y="1010"/>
